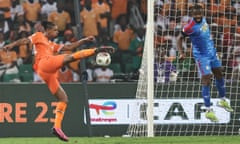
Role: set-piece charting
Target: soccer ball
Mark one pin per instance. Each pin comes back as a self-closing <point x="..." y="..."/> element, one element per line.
<point x="103" y="59"/>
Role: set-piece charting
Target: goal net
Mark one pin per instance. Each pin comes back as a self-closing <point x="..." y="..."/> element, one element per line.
<point x="177" y="106"/>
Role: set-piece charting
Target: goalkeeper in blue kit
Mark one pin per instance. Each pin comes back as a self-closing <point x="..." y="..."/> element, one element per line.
<point x="206" y="59"/>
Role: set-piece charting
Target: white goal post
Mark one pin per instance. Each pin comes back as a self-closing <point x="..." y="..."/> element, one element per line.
<point x="150" y="62"/>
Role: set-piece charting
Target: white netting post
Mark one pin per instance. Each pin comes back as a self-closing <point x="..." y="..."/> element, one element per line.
<point x="150" y="63"/>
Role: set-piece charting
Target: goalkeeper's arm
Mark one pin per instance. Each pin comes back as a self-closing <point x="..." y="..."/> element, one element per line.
<point x="180" y="40"/>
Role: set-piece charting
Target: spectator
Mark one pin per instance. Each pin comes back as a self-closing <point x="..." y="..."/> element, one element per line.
<point x="181" y="5"/>
<point x="38" y="27"/>
<point x="89" y="20"/>
<point x="124" y="35"/>
<point x="90" y="68"/>
<point x="118" y="7"/>
<point x="16" y="10"/>
<point x="123" y="38"/>
<point x="237" y="7"/>
<point x="4" y="26"/>
<point x="164" y="70"/>
<point x="135" y="17"/>
<point x="69" y="7"/>
<point x="61" y="18"/>
<point x="235" y="57"/>
<point x="103" y="11"/>
<point x="143" y="9"/>
<point x="23" y="25"/>
<point x="5" y="6"/>
<point x="32" y="10"/>
<point x="2" y="39"/>
<point x="8" y="59"/>
<point x="159" y="37"/>
<point x="136" y="48"/>
<point x="102" y="74"/>
<point x="47" y="8"/>
<point x="159" y="18"/>
<point x="25" y="51"/>
<point x="212" y="11"/>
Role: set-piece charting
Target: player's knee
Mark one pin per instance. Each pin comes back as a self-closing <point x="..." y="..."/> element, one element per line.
<point x="61" y="95"/>
<point x="67" y="59"/>
<point x="63" y="99"/>
<point x="206" y="80"/>
<point x="218" y="75"/>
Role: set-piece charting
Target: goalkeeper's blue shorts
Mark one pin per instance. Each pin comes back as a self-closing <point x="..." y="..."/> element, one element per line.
<point x="206" y="64"/>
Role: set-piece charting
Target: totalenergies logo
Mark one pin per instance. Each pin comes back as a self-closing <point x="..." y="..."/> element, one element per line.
<point x="106" y="108"/>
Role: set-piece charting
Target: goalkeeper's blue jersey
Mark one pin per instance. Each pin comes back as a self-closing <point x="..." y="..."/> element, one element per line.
<point x="199" y="33"/>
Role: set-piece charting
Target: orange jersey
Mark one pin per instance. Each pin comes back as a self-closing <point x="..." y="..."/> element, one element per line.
<point x="60" y="19"/>
<point x="89" y="20"/>
<point x="123" y="38"/>
<point x="31" y="11"/>
<point x="118" y="7"/>
<point x="43" y="47"/>
<point x="6" y="4"/>
<point x="101" y="9"/>
<point x="8" y="57"/>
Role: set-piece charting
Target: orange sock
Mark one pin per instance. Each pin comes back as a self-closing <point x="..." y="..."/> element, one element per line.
<point x="60" y="109"/>
<point x="84" y="53"/>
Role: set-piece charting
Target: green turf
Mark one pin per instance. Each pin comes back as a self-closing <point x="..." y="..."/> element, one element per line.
<point x="120" y="140"/>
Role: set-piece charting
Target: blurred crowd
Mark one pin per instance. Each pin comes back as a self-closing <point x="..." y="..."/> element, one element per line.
<point x="121" y="24"/>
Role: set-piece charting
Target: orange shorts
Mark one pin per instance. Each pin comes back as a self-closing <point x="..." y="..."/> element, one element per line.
<point x="47" y="68"/>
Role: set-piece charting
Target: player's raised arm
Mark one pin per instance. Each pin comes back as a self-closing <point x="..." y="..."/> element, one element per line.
<point x="78" y="43"/>
<point x="19" y="42"/>
<point x="180" y="40"/>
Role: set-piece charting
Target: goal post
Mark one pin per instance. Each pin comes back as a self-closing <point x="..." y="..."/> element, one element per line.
<point x="170" y="103"/>
<point x="150" y="62"/>
<point x="145" y="88"/>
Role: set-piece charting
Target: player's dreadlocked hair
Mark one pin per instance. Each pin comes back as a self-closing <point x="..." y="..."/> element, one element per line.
<point x="47" y="25"/>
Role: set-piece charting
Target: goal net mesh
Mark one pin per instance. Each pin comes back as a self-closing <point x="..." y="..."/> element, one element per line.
<point x="178" y="105"/>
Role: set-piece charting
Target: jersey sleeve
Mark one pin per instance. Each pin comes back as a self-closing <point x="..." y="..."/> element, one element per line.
<point x="57" y="47"/>
<point x="188" y="29"/>
<point x="36" y="37"/>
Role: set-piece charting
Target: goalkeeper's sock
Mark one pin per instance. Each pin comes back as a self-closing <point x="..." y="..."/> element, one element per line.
<point x="208" y="109"/>
<point x="221" y="87"/>
<point x="83" y="53"/>
<point x="60" y="110"/>
<point x="206" y="95"/>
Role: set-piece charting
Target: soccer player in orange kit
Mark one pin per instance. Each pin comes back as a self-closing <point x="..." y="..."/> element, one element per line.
<point x="47" y="64"/>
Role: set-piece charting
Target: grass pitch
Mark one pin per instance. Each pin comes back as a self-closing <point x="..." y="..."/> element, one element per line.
<point x="128" y="140"/>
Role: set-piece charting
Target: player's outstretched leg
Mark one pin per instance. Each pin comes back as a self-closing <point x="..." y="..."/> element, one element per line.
<point x="211" y="115"/>
<point x="89" y="52"/>
<point x="224" y="104"/>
